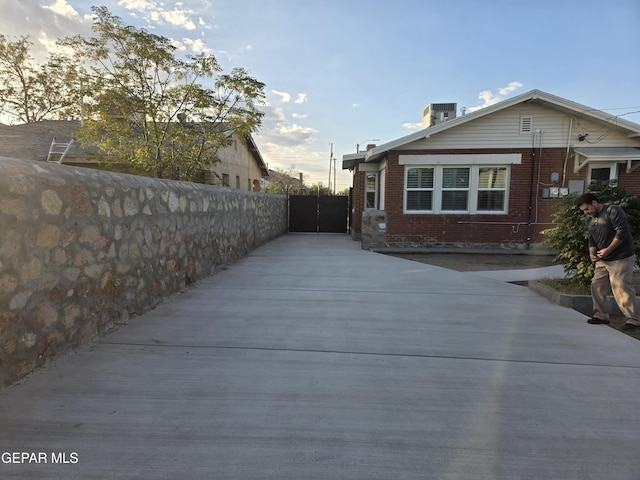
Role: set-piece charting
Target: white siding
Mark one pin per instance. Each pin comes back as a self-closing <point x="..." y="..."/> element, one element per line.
<point x="502" y="130"/>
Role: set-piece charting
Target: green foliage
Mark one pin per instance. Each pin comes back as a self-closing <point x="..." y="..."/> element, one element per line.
<point x="570" y="236"/>
<point x="317" y="190"/>
<point x="30" y="92"/>
<point x="284" y="182"/>
<point x="147" y="110"/>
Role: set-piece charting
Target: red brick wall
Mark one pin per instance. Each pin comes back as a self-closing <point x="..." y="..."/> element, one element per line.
<point x="358" y="202"/>
<point x="516" y="227"/>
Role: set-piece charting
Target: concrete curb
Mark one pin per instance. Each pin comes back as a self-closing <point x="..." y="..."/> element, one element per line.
<point x="579" y="303"/>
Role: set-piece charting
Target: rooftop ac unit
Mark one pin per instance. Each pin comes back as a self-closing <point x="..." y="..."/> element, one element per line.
<point x="436" y="113"/>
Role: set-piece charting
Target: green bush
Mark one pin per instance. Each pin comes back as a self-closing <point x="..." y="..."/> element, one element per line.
<point x="570" y="236"/>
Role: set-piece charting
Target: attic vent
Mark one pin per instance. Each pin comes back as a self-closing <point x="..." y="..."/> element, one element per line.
<point x="526" y="124"/>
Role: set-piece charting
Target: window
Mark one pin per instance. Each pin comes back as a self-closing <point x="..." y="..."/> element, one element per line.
<point x="225" y="180"/>
<point x="237" y="181"/>
<point x="420" y="189"/>
<point x="492" y="189"/>
<point x="370" y="190"/>
<point x="459" y="189"/>
<point x="455" y="189"/>
<point x="602" y="171"/>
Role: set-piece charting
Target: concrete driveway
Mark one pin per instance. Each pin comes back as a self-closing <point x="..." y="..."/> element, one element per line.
<point x="314" y="359"/>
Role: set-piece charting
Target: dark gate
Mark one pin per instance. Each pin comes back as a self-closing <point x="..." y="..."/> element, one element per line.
<point x="318" y="214"/>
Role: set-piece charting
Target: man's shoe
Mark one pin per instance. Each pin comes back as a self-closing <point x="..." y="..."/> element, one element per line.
<point x="630" y="327"/>
<point x="598" y="321"/>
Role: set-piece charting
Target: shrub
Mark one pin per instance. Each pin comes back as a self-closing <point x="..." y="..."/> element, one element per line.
<point x="570" y="236"/>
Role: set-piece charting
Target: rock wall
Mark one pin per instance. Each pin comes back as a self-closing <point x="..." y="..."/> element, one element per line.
<point x="83" y="250"/>
<point x="373" y="229"/>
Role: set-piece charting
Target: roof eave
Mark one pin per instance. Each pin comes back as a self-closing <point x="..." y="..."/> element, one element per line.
<point x="378" y="153"/>
<point x="349" y="160"/>
<point x="257" y="156"/>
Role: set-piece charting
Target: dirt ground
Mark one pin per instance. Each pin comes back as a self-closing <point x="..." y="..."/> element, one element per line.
<point x="475" y="262"/>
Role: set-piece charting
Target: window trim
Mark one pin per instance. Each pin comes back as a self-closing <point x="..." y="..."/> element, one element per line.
<point x="612" y="166"/>
<point x="473" y="190"/>
<point x="417" y="189"/>
<point x="375" y="190"/>
<point x="437" y="186"/>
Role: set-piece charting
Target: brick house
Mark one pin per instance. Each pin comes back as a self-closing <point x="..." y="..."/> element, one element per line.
<point x="240" y="166"/>
<point x="492" y="177"/>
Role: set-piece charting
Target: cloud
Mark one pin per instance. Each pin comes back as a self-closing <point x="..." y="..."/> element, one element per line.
<point x="490" y="98"/>
<point x="299" y="115"/>
<point x="302" y="98"/>
<point x="140" y="5"/>
<point x="155" y="13"/>
<point x="277" y="129"/>
<point x="179" y="18"/>
<point x="62" y="8"/>
<point x="196" y="45"/>
<point x="43" y="24"/>
<point x="291" y="134"/>
<point x="412" y="126"/>
<point x="284" y="96"/>
<point x="311" y="163"/>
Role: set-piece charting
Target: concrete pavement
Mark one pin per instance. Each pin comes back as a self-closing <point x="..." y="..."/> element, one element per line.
<point x="314" y="359"/>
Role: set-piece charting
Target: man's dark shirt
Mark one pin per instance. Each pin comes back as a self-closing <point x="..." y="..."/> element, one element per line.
<point x="610" y="223"/>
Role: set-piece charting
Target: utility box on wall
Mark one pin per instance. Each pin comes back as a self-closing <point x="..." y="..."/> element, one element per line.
<point x="374" y="229"/>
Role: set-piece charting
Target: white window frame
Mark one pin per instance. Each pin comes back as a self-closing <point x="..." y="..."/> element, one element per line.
<point x="382" y="179"/>
<point x="367" y="191"/>
<point x="473" y="190"/>
<point x="439" y="189"/>
<point x="612" y="166"/>
<point x="419" y="189"/>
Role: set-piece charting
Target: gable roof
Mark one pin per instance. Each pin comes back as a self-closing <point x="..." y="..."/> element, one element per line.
<point x="33" y="140"/>
<point x="253" y="149"/>
<point x="537" y="96"/>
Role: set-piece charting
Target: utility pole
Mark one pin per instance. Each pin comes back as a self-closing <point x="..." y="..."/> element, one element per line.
<point x="330" y="162"/>
<point x="334" y="176"/>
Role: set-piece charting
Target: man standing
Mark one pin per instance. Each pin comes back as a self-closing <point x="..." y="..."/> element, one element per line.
<point x="611" y="248"/>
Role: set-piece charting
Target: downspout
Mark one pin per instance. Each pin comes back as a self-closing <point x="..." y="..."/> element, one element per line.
<point x="531" y="183"/>
<point x="566" y="157"/>
<point x="537" y="196"/>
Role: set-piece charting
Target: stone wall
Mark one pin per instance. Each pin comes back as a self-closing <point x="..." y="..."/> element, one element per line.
<point x="83" y="250"/>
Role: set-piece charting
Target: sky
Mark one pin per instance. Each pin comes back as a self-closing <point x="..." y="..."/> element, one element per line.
<point x="341" y="73"/>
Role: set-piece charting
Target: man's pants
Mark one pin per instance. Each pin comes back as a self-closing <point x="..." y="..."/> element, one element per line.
<point x="615" y="276"/>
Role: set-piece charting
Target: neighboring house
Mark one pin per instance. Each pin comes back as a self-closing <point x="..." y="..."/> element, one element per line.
<point x="492" y="177"/>
<point x="241" y="165"/>
<point x="283" y="183"/>
<point x="32" y="141"/>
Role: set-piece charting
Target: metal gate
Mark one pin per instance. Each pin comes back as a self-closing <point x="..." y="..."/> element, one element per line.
<point x="318" y="214"/>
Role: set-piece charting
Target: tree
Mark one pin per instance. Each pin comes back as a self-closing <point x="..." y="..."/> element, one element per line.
<point x="318" y="190"/>
<point x="283" y="182"/>
<point x="570" y="236"/>
<point x="30" y="92"/>
<point x="144" y="108"/>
